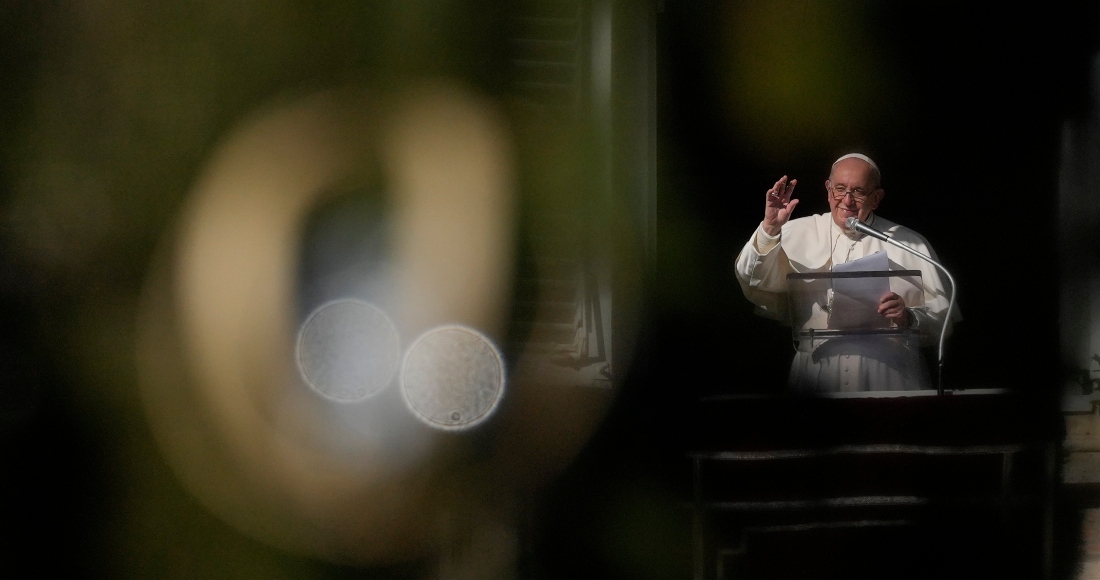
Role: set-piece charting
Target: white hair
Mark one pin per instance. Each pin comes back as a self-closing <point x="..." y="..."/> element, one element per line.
<point x="876" y="175"/>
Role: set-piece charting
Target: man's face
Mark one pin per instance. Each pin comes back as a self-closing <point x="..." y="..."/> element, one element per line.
<point x="858" y="195"/>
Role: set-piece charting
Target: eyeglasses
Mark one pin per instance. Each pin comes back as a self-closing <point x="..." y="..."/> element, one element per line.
<point x="859" y="195"/>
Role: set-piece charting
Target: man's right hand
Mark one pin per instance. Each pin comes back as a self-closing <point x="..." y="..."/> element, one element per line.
<point x="779" y="205"/>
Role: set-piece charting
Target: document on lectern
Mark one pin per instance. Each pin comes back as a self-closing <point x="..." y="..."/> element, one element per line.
<point x="855" y="300"/>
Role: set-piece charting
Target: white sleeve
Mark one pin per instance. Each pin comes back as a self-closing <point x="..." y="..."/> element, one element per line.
<point x="762" y="263"/>
<point x="762" y="269"/>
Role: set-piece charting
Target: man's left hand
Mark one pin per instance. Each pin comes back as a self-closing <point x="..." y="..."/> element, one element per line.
<point x="892" y="307"/>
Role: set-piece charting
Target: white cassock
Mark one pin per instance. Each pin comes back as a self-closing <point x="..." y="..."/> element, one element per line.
<point x="813" y="244"/>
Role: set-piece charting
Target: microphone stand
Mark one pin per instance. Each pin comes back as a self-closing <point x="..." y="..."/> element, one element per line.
<point x="855" y="224"/>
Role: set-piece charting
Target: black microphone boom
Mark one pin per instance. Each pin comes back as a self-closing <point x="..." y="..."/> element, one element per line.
<point x="855" y="225"/>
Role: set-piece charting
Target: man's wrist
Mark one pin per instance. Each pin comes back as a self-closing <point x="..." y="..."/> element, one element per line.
<point x="765" y="241"/>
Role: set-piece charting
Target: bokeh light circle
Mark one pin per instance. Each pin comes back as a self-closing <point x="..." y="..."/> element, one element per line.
<point x="452" y="378"/>
<point x="348" y="350"/>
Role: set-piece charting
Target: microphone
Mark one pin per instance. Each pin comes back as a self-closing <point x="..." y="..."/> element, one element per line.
<point x="855" y="225"/>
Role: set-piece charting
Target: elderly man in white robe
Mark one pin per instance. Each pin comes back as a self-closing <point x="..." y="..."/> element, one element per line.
<point x="816" y="244"/>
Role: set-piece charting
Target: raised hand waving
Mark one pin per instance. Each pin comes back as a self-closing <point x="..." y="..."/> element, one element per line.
<point x="779" y="205"/>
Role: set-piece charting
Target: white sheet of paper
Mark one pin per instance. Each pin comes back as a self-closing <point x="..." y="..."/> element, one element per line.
<point x="877" y="262"/>
<point x="855" y="300"/>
